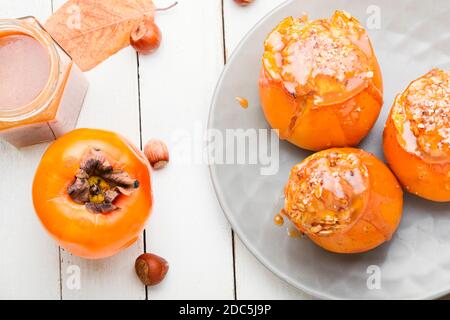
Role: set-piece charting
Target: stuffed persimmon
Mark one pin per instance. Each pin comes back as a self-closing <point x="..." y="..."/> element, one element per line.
<point x="320" y="83"/>
<point x="344" y="199"/>
<point x="92" y="192"/>
<point x="417" y="136"/>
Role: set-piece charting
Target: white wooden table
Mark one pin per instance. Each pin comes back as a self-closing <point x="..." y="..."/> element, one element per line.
<point x="143" y="97"/>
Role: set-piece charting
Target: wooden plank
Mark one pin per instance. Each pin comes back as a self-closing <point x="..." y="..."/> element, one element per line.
<point x="177" y="82"/>
<point x="253" y="280"/>
<point x="111" y="103"/>
<point x="29" y="263"/>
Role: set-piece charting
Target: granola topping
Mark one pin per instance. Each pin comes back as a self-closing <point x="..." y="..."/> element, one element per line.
<point x="421" y="115"/>
<point x="326" y="192"/>
<point x="320" y="58"/>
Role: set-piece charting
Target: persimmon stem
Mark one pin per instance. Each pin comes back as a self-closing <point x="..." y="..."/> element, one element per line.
<point x="167" y="8"/>
<point x="97" y="184"/>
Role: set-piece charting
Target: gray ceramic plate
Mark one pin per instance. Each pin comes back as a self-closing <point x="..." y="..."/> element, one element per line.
<point x="413" y="37"/>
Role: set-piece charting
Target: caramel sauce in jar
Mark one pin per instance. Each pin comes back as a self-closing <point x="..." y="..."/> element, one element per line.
<point x="24" y="70"/>
<point x="42" y="90"/>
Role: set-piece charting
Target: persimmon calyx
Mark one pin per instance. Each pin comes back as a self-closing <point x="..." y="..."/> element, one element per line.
<point x="97" y="184"/>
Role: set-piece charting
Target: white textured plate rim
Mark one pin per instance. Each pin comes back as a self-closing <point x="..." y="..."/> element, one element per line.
<point x="226" y="210"/>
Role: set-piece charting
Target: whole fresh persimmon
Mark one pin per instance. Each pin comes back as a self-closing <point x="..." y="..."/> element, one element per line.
<point x="92" y="192"/>
<point x="417" y="136"/>
<point x="344" y="199"/>
<point x="320" y="83"/>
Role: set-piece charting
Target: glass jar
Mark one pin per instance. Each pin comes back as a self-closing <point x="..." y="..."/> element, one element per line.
<point x="41" y="90"/>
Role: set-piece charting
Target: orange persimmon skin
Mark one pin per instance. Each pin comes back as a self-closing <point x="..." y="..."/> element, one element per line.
<point x="323" y="127"/>
<point x="427" y="180"/>
<point x="380" y="214"/>
<point x="416" y="137"/>
<point x="85" y="234"/>
<point x="342" y="122"/>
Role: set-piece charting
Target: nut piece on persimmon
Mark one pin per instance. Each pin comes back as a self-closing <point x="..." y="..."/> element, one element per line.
<point x="146" y="38"/>
<point x="157" y="153"/>
<point x="151" y="269"/>
<point x="243" y="2"/>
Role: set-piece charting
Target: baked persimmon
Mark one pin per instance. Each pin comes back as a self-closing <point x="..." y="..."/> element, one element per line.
<point x="320" y="83"/>
<point x="417" y="136"/>
<point x="92" y="192"/>
<point x="344" y="199"/>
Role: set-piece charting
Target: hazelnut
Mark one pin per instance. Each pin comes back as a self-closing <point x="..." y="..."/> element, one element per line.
<point x="243" y="2"/>
<point x="151" y="269"/>
<point x="146" y="38"/>
<point x="157" y="153"/>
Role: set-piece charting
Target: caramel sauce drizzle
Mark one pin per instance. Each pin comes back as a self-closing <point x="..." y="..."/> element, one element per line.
<point x="320" y="62"/>
<point x="421" y="115"/>
<point x="326" y="192"/>
<point x="329" y="58"/>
